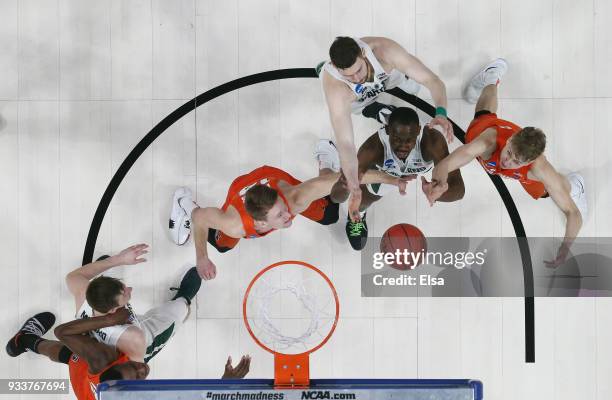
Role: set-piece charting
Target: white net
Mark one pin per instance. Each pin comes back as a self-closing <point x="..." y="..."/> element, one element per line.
<point x="291" y="309"/>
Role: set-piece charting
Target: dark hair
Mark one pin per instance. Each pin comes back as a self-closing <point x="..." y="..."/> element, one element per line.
<point x="528" y="143"/>
<point x="111" y="374"/>
<point x="259" y="200"/>
<point x="403" y="116"/>
<point x="102" y="293"/>
<point x="344" y="52"/>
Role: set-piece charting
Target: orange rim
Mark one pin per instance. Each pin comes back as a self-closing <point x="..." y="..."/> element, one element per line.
<point x="278" y="264"/>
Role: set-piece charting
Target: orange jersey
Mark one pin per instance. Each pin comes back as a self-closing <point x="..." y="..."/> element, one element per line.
<point x="265" y="175"/>
<point x="83" y="382"/>
<point x="505" y="130"/>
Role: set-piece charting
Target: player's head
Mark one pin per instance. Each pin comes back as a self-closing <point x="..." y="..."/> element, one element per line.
<point x="127" y="370"/>
<point x="522" y="148"/>
<point x="403" y="130"/>
<point x="267" y="208"/>
<point x="347" y="57"/>
<point x="105" y="294"/>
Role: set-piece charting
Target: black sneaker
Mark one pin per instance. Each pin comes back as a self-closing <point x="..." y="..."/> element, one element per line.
<point x="357" y="233"/>
<point x="190" y="284"/>
<point x="37" y="325"/>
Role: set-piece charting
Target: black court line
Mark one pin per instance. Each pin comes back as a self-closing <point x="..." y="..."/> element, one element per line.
<point x="267" y="76"/>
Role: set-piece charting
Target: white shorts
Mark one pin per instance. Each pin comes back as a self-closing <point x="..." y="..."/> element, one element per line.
<point x="160" y="323"/>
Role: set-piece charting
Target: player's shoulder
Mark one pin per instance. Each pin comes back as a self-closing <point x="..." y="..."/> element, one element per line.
<point x="542" y="169"/>
<point x="488" y="137"/>
<point x="378" y="42"/>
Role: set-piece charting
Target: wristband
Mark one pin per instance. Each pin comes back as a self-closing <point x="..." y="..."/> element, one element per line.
<point x="441" y="111"/>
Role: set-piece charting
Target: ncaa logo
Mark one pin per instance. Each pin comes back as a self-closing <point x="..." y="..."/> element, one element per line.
<point x="359" y="88"/>
<point x="491" y="163"/>
<point x="389" y="162"/>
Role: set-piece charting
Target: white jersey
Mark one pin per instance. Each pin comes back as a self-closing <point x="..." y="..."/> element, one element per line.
<point x="414" y="164"/>
<point x="367" y="92"/>
<point x="109" y="335"/>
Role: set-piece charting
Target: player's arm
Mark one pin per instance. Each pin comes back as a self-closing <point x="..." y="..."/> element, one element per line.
<point x="78" y="280"/>
<point x="74" y="335"/>
<point x="339" y="98"/>
<point x="370" y="152"/>
<point x="457" y="159"/>
<point x="435" y="149"/>
<point x="555" y="185"/>
<point x="403" y="61"/>
<point x="463" y="155"/>
<point x="202" y="219"/>
<point x="305" y="193"/>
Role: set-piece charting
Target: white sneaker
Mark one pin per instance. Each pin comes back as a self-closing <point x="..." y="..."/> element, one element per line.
<point x="490" y="75"/>
<point x="578" y="193"/>
<point x="180" y="222"/>
<point x="409" y="86"/>
<point x="327" y="155"/>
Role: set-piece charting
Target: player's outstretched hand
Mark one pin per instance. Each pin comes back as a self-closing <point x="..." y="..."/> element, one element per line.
<point x="353" y="205"/>
<point x="560" y="259"/>
<point x="132" y="255"/>
<point x="206" y="269"/>
<point x="433" y="190"/>
<point x="239" y="371"/>
<point x="447" y="127"/>
<point x="403" y="182"/>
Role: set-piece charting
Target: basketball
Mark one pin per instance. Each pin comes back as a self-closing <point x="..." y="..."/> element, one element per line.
<point x="404" y="237"/>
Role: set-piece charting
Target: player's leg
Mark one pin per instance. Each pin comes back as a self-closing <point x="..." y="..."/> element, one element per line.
<point x="357" y="232"/>
<point x="161" y="323"/>
<point x="29" y="338"/>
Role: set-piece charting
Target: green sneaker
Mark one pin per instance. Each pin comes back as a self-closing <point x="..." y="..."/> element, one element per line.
<point x="357" y="233"/>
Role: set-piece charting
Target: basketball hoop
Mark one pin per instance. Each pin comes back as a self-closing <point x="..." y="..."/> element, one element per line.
<point x="291" y="309"/>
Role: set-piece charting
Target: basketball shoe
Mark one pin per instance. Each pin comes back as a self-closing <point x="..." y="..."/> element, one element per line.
<point x="30" y="334"/>
<point x="491" y="74"/>
<point x="180" y="221"/>
<point x="327" y="155"/>
<point x="357" y="232"/>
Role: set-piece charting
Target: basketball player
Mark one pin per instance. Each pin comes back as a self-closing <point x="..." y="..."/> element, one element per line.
<point x="260" y="202"/>
<point x="89" y="361"/>
<point x="360" y="70"/>
<point x="504" y="149"/>
<point x="144" y="335"/>
<point x="399" y="149"/>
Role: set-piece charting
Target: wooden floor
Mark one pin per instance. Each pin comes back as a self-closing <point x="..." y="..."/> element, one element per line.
<point x="83" y="81"/>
